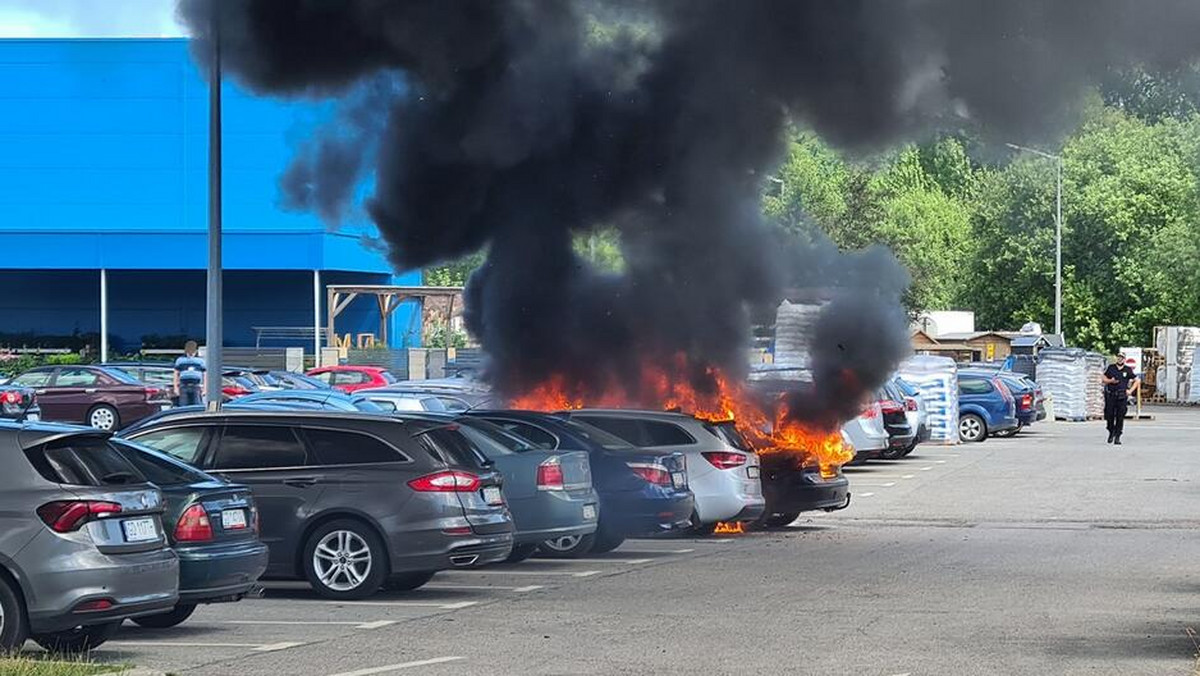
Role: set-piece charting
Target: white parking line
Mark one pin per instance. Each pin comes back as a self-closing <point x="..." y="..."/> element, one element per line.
<point x="485" y="587"/>
<point x="938" y="455"/>
<point x="256" y="647"/>
<point x="456" y="605"/>
<point x="377" y="624"/>
<point x="939" y="462"/>
<point x="925" y="469"/>
<point x="873" y="485"/>
<point x="864" y="495"/>
<point x="537" y="573"/>
<point x="398" y="667"/>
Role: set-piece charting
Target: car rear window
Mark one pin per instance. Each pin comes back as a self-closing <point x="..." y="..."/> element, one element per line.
<point x="599" y="436"/>
<point x="387" y="377"/>
<point x="486" y="441"/>
<point x="727" y="432"/>
<point x="83" y="461"/>
<point x="512" y="442"/>
<point x="120" y="376"/>
<point x="448" y="446"/>
<point x="159" y="468"/>
<point x="341" y="447"/>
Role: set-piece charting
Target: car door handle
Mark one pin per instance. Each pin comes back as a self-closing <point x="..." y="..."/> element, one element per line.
<point x="90" y="390"/>
<point x="300" y="482"/>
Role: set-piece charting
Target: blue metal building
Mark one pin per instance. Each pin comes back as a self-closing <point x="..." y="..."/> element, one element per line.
<point x="103" y="188"/>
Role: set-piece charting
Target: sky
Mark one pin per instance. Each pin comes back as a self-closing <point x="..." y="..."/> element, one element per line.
<point x="88" y="18"/>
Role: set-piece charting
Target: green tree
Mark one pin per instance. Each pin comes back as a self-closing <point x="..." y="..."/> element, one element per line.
<point x="456" y="272"/>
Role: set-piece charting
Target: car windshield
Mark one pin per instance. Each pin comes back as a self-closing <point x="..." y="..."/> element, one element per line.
<point x="599" y="436"/>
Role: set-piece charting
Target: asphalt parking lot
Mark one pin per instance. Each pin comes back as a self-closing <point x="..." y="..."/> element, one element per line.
<point x="1050" y="553"/>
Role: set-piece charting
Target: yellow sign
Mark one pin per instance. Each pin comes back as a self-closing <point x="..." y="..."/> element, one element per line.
<point x="991" y="351"/>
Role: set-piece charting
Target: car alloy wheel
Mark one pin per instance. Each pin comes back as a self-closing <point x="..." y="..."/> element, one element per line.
<point x="103" y="418"/>
<point x="970" y="428"/>
<point x="342" y="560"/>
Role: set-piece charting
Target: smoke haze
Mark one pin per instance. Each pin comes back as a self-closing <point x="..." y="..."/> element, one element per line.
<point x="524" y="122"/>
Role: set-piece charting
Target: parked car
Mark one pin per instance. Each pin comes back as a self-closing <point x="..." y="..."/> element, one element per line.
<point x="723" y="472"/>
<point x="329" y="400"/>
<point x="353" y="378"/>
<point x="390" y="400"/>
<point x="19" y="403"/>
<point x="549" y="493"/>
<point x="158" y="374"/>
<point x="298" y="381"/>
<point x="867" y="434"/>
<point x="795" y="484"/>
<point x="349" y="501"/>
<point x="641" y="492"/>
<point x="213" y="527"/>
<point x="914" y="408"/>
<point x="81" y="539"/>
<point x="1029" y="400"/>
<point x="985" y="406"/>
<point x="262" y="378"/>
<point x="456" y="394"/>
<point x="99" y="396"/>
<point x="235" y="386"/>
<point x="902" y="434"/>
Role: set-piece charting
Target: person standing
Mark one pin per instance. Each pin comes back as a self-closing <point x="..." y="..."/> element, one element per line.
<point x="1119" y="385"/>
<point x="190" y="376"/>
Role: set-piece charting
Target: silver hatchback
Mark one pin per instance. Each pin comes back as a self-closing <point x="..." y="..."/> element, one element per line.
<point x="81" y="539"/>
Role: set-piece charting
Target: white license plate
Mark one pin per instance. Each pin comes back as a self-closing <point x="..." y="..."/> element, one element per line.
<point x="679" y="479"/>
<point x="492" y="495"/>
<point x="752" y="471"/>
<point x="139" y="530"/>
<point x="164" y="407"/>
<point x="233" y="519"/>
<point x="589" y="512"/>
<point x="32" y="417"/>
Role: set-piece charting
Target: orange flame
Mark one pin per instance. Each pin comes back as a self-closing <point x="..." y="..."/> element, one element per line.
<point x="729" y="528"/>
<point x="668" y="388"/>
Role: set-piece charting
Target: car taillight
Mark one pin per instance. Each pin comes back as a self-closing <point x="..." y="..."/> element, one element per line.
<point x="889" y="406"/>
<point x="655" y="474"/>
<point x="1026" y="401"/>
<point x="194" y="526"/>
<point x="446" y="481"/>
<point x="910" y="403"/>
<point x="871" y="411"/>
<point x="254" y="519"/>
<point x="724" y="459"/>
<point x="10" y="397"/>
<point x="152" y="393"/>
<point x="64" y="516"/>
<point x="550" y="475"/>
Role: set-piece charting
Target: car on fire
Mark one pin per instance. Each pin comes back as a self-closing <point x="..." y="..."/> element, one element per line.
<point x="642" y="492"/>
<point x="349" y="501"/>
<point x="722" y="470"/>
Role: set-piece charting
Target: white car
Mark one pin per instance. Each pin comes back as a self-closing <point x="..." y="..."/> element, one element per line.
<point x="867" y="434"/>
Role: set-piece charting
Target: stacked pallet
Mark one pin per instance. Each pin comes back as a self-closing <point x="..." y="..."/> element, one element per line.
<point x="1094" y="365"/>
<point x="937" y="380"/>
<point x="1066" y="374"/>
<point x="1177" y="345"/>
<point x="1194" y="381"/>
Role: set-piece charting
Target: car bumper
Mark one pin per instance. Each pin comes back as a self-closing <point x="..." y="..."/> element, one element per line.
<point x="1027" y="418"/>
<point x="455" y="552"/>
<point x="720" y="495"/>
<point x="1004" y="425"/>
<point x="136" y="584"/>
<point x="634" y="517"/>
<point x="219" y="573"/>
<point x="792" y="493"/>
<point x="554" y="514"/>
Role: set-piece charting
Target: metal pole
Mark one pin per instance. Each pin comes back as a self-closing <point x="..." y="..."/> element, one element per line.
<point x="213" y="330"/>
<point x="103" y="315"/>
<point x="1058" y="253"/>
<point x="316" y="318"/>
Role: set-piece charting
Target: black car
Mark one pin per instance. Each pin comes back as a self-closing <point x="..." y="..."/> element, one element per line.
<point x="641" y="492"/>
<point x="901" y="435"/>
<point x="350" y="501"/>
<point x="19" y="403"/>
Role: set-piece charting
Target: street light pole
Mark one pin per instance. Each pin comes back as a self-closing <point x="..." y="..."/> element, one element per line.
<point x="1057" y="230"/>
<point x="213" y="337"/>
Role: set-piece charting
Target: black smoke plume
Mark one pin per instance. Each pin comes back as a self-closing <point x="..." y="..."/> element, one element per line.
<point x="524" y="122"/>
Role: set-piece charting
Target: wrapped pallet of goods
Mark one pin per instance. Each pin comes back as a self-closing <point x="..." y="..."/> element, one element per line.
<point x="1177" y="347"/>
<point x="1194" y="381"/>
<point x="937" y="380"/>
<point x="1065" y="376"/>
<point x="1094" y="365"/>
<point x="793" y="334"/>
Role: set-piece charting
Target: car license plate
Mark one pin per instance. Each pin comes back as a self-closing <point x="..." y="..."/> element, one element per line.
<point x="752" y="471"/>
<point x="233" y="519"/>
<point x="139" y="530"/>
<point x="164" y="407"/>
<point x="679" y="479"/>
<point x="32" y="417"/>
<point x="589" y="512"/>
<point x="493" y="496"/>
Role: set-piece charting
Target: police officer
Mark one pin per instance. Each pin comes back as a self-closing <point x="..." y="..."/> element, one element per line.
<point x="1119" y="385"/>
<point x="190" y="376"/>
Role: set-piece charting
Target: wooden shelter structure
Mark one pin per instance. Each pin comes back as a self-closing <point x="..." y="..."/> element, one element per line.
<point x="387" y="297"/>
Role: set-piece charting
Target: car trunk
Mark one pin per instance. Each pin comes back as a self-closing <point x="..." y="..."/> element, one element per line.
<point x="483" y="506"/>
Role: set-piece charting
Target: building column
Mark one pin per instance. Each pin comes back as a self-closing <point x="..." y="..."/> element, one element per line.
<point x="103" y="315"/>
<point x="316" y="318"/>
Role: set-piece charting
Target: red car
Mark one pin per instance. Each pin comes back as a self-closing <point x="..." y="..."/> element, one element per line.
<point x="353" y="378"/>
<point x="105" y="398"/>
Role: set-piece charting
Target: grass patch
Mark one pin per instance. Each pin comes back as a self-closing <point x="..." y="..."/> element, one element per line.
<point x="37" y="666"/>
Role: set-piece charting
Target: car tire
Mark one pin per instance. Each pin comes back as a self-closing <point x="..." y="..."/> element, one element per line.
<point x="521" y="552"/>
<point x="567" y="547"/>
<point x="911" y="447"/>
<point x="14" y="627"/>
<point x="971" y="428"/>
<point x="175" y="617"/>
<point x="892" y="452"/>
<point x="606" y="541"/>
<point x="409" y="581"/>
<point x="78" y="640"/>
<point x="699" y="528"/>
<point x="352" y="564"/>
<point x="781" y="520"/>
<point x="104" y="417"/>
<point x="1010" y="433"/>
